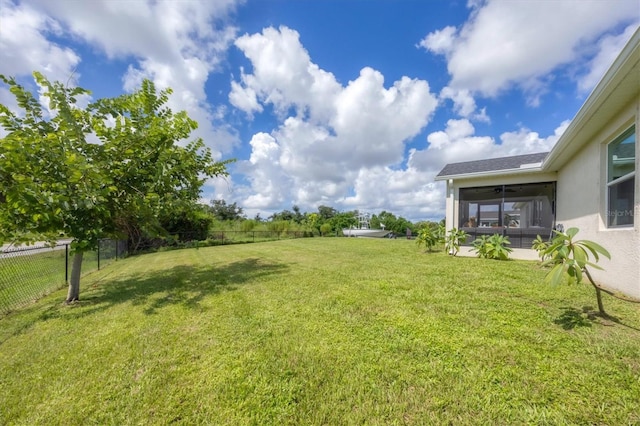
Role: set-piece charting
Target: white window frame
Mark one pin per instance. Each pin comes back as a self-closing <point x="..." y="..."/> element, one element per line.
<point x="619" y="180"/>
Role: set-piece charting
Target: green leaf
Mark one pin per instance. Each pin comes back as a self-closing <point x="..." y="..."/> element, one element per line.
<point x="554" y="277"/>
<point x="578" y="274"/>
<point x="595" y="248"/>
<point x="580" y="256"/>
<point x="564" y="252"/>
<point x="571" y="232"/>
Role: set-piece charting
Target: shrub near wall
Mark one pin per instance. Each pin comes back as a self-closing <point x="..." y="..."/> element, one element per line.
<point x="493" y="247"/>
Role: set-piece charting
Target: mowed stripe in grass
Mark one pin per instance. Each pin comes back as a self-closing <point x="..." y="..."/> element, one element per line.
<point x="319" y="331"/>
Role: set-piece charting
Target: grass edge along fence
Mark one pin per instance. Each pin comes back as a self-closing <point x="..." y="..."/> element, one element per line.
<point x="239" y="237"/>
<point x="30" y="272"/>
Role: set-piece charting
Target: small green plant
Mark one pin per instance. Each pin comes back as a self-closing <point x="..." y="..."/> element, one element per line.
<point x="570" y="258"/>
<point x="480" y="246"/>
<point x="453" y="240"/>
<point x="493" y="247"/>
<point x="540" y="246"/>
<point x="429" y="237"/>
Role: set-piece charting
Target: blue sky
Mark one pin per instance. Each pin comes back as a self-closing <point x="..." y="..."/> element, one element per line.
<point x="354" y="104"/>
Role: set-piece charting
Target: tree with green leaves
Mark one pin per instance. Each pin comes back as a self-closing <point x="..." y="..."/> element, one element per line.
<point x="57" y="180"/>
<point x="325" y="229"/>
<point x="342" y="220"/>
<point x="223" y="211"/>
<point x="284" y="215"/>
<point x="312" y="221"/>
<point x="189" y="222"/>
<point x="387" y="219"/>
<point x="570" y="257"/>
<point x="298" y="214"/>
<point x="326" y="212"/>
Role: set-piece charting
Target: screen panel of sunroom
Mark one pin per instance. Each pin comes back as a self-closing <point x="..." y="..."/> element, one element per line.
<point x="520" y="211"/>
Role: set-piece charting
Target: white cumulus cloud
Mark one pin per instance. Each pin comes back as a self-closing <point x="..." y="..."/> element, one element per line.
<point x="336" y="134"/>
<point x="25" y="46"/>
<point x="608" y="49"/>
<point x="283" y="75"/>
<point x="174" y="44"/>
<point x="509" y="43"/>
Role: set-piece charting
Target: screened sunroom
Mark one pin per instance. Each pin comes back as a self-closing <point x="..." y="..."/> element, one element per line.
<point x="520" y="211"/>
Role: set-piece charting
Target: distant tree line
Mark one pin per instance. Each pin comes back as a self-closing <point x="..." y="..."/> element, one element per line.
<point x="219" y="215"/>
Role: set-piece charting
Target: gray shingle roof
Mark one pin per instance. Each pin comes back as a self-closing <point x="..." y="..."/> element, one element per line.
<point x="491" y="164"/>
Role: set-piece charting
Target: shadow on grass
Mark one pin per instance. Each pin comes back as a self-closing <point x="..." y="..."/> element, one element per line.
<point x="572" y="318"/>
<point x="180" y="285"/>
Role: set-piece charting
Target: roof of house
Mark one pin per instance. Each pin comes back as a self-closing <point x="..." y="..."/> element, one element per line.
<point x="492" y="165"/>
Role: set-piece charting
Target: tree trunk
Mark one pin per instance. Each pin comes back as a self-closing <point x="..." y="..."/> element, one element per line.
<point x="74" y="283"/>
<point x="598" y="293"/>
<point x="599" y="298"/>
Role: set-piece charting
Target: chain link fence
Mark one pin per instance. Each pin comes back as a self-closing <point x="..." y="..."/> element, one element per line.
<point x="28" y="273"/>
<point x="215" y="238"/>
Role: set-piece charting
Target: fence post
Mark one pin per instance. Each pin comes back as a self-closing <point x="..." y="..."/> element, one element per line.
<point x="98" y="255"/>
<point x="66" y="263"/>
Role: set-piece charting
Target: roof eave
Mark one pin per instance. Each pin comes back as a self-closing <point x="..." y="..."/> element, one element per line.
<point x="491" y="173"/>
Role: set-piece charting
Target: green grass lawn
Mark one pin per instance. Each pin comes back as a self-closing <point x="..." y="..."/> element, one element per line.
<point x="320" y="331"/>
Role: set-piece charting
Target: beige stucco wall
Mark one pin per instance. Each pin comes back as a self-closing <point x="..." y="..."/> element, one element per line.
<point x="581" y="202"/>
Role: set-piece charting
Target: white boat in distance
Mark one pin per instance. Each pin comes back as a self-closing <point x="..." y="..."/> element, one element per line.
<point x="363" y="229"/>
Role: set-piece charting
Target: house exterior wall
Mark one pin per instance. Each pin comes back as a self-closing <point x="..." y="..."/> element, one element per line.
<point x="582" y="202"/>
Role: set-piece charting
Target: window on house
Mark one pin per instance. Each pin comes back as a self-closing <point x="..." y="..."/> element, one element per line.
<point x="621" y="173"/>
